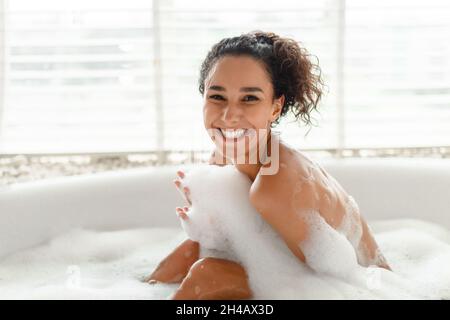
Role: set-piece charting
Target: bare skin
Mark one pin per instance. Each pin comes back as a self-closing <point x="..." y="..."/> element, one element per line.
<point x="301" y="185"/>
<point x="280" y="198"/>
<point x="214" y="279"/>
<point x="175" y="267"/>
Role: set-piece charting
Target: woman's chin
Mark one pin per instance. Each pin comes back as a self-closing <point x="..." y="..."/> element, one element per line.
<point x="239" y="158"/>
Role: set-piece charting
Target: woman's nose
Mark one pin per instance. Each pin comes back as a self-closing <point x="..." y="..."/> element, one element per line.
<point x="231" y="114"/>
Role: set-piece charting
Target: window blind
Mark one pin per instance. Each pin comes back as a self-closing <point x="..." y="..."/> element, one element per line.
<point x="108" y="76"/>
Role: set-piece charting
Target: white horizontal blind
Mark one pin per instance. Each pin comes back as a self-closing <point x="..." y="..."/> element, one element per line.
<point x="189" y="29"/>
<point x="397" y="73"/>
<point x="80" y="75"/>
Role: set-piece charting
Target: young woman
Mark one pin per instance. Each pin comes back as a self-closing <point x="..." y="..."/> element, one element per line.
<point x="248" y="83"/>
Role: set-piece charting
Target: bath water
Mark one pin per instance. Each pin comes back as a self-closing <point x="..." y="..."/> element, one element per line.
<point x="90" y="264"/>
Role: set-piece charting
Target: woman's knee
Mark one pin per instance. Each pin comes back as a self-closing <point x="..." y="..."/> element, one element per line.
<point x="177" y="264"/>
<point x="215" y="278"/>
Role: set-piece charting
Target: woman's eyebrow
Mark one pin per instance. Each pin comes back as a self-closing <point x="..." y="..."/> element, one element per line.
<point x="243" y="89"/>
<point x="251" y="89"/>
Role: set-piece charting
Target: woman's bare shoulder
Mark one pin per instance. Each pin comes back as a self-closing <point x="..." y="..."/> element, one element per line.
<point x="292" y="167"/>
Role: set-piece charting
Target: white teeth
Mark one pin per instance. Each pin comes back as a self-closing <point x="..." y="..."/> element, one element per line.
<point x="233" y="134"/>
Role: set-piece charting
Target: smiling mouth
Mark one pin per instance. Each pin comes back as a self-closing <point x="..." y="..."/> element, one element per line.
<point x="233" y="133"/>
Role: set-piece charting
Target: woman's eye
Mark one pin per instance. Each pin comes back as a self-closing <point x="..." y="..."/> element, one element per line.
<point x="253" y="98"/>
<point x="216" y="97"/>
<point x="246" y="98"/>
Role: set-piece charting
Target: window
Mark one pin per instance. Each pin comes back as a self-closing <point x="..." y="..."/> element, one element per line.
<point x="397" y="73"/>
<point x="108" y="76"/>
<point x="79" y="76"/>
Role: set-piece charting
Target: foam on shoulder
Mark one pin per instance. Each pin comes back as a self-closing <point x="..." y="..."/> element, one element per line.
<point x="223" y="220"/>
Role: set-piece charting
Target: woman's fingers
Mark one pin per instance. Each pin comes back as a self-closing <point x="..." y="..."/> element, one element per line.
<point x="180" y="174"/>
<point x="183" y="192"/>
<point x="182" y="213"/>
<point x="187" y="192"/>
<point x="179" y="185"/>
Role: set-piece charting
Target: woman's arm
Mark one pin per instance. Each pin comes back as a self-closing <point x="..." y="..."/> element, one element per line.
<point x="272" y="195"/>
<point x="370" y="248"/>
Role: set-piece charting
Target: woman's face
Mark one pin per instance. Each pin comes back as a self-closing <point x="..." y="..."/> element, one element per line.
<point x="238" y="95"/>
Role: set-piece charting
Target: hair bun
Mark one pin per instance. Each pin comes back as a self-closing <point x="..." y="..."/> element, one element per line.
<point x="265" y="37"/>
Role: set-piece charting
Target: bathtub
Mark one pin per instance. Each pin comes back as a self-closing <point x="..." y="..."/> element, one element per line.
<point x="31" y="213"/>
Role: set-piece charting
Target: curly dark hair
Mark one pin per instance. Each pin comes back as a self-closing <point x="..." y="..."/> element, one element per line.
<point x="287" y="63"/>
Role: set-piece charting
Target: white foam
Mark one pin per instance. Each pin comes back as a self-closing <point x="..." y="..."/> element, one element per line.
<point x="326" y="250"/>
<point x="351" y="223"/>
<point x="86" y="264"/>
<point x="223" y="215"/>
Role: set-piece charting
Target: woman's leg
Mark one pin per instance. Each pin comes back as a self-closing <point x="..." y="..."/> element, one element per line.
<point x="214" y="279"/>
<point x="176" y="265"/>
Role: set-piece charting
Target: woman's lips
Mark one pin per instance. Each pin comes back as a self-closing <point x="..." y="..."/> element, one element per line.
<point x="233" y="133"/>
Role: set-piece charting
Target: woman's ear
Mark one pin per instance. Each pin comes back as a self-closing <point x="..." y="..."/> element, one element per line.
<point x="277" y="107"/>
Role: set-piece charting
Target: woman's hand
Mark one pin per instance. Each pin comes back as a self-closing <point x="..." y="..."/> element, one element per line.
<point x="185" y="192"/>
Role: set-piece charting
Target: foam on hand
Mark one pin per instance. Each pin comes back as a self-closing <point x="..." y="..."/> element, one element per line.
<point x="226" y="225"/>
